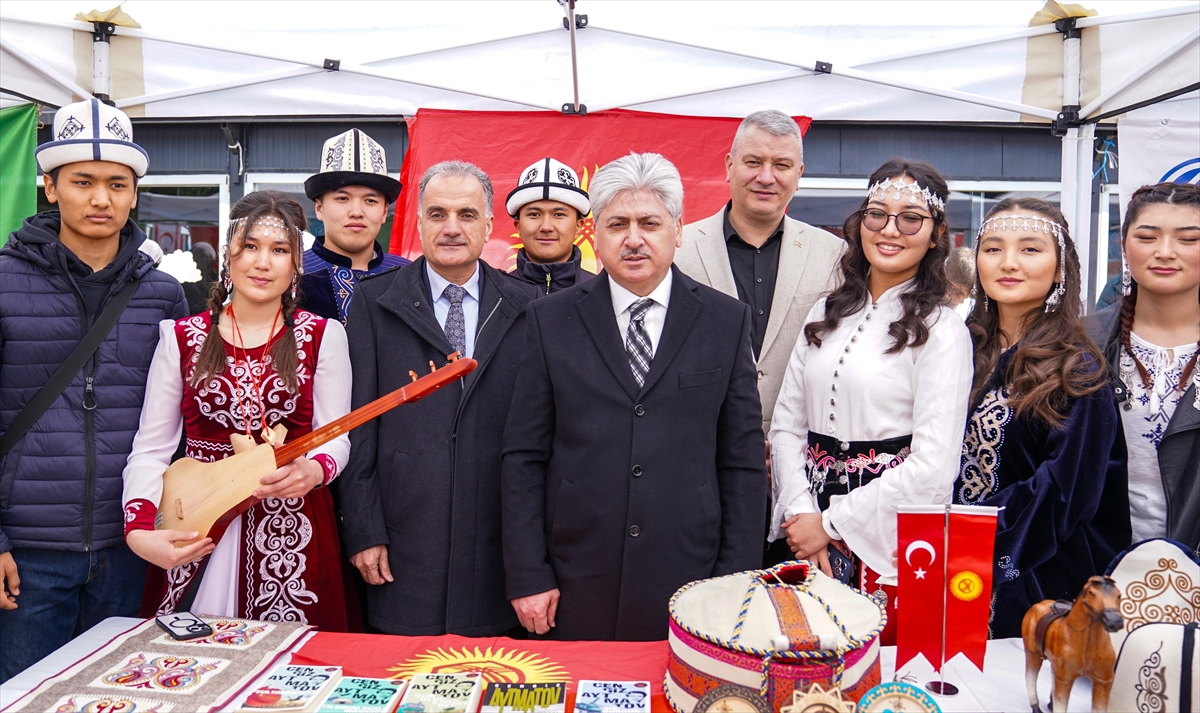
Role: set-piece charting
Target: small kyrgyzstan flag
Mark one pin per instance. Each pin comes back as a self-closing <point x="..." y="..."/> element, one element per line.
<point x="945" y="582"/>
<point x="969" y="580"/>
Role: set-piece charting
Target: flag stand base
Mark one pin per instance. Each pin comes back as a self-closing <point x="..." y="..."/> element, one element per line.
<point x="942" y="688"/>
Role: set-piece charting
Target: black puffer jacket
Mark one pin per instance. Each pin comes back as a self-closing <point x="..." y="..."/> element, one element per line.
<point x="551" y="277"/>
<point x="60" y="485"/>
<point x="1179" y="450"/>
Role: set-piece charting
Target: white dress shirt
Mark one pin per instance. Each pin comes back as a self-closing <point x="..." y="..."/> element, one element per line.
<point x="656" y="316"/>
<point x="850" y="389"/>
<point x="470" y="304"/>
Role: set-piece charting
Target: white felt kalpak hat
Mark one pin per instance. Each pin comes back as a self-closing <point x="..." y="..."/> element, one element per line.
<point x="352" y="159"/>
<point x="548" y="179"/>
<point x="91" y="130"/>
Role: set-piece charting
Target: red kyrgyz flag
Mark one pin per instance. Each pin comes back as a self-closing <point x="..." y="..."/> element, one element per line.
<point x="921" y="561"/>
<point x="497" y="659"/>
<point x="969" y="581"/>
<point x="504" y="143"/>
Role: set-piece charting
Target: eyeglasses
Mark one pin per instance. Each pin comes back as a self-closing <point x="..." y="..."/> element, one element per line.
<point x="908" y="223"/>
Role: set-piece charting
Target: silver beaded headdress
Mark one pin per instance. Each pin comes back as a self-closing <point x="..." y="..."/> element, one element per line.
<point x="915" y="191"/>
<point x="1036" y="224"/>
<point x="265" y="226"/>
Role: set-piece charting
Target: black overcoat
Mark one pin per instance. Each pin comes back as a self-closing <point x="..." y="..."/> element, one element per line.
<point x="619" y="495"/>
<point x="424" y="478"/>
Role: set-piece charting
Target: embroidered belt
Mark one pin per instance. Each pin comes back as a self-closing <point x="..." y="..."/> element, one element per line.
<point x="836" y="467"/>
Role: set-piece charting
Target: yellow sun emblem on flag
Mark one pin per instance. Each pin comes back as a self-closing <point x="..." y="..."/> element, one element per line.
<point x="585" y="240"/>
<point x="498" y="666"/>
<point x="966" y="586"/>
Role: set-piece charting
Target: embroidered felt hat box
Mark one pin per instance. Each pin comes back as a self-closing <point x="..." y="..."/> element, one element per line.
<point x="1159" y="581"/>
<point x="777" y="631"/>
<point x="1158" y="669"/>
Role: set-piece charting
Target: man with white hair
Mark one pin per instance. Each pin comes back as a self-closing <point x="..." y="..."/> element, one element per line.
<point x="752" y="250"/>
<point x="419" y="501"/>
<point x="634" y="457"/>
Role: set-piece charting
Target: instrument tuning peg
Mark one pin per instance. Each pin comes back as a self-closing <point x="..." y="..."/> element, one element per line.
<point x="413" y="374"/>
<point x="454" y="357"/>
<point x="432" y="368"/>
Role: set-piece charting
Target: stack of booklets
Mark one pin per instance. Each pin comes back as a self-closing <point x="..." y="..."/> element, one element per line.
<point x="322" y="689"/>
<point x="613" y="697"/>
<point x="442" y="692"/>
<point x="525" y="698"/>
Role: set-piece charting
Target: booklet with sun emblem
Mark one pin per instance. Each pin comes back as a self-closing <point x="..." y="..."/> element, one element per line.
<point x="442" y="692"/>
<point x="293" y="688"/>
<point x="363" y="695"/>
<point x="525" y="698"/>
<point x="613" y="697"/>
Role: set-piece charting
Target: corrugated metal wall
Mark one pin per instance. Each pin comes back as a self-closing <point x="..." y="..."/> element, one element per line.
<point x="831" y="150"/>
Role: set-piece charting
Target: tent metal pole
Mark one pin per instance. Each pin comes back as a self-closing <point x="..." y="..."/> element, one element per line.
<point x="43" y="69"/>
<point x="1075" y="199"/>
<point x="574" y="54"/>
<point x="1145" y="69"/>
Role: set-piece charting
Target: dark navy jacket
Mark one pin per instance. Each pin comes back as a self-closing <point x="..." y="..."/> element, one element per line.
<point x="1064" y="491"/>
<point x="552" y="277"/>
<point x="329" y="279"/>
<point x="60" y="485"/>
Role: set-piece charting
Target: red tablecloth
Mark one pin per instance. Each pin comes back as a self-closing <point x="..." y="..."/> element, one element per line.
<point x="498" y="659"/>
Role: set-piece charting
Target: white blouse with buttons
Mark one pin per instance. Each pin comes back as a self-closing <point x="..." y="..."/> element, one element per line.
<point x="849" y="388"/>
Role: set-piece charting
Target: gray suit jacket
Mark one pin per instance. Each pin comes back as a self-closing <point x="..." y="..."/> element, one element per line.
<point x="808" y="270"/>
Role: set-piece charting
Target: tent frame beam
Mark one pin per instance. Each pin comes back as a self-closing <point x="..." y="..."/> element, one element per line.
<point x="849" y="74"/>
<point x="42" y="68"/>
<point x="317" y="64"/>
<point x="1115" y="91"/>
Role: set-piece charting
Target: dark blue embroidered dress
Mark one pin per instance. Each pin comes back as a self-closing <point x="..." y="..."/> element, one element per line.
<point x="1064" y="492"/>
<point x="328" y="281"/>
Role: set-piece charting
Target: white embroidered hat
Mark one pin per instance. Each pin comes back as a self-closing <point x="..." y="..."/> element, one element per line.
<point x="352" y="159"/>
<point x="548" y="179"/>
<point x="91" y="130"/>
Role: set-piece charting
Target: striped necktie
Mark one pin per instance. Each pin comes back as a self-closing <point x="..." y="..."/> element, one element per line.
<point x="637" y="341"/>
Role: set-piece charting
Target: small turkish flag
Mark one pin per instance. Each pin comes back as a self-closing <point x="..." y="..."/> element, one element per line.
<point x="921" y="534"/>
<point x="969" y="579"/>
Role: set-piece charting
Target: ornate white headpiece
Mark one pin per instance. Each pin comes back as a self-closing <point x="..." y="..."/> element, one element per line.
<point x="265" y="226"/>
<point x="1036" y="224"/>
<point x="915" y="191"/>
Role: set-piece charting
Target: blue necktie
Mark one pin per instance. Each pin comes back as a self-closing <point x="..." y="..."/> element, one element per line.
<point x="456" y="324"/>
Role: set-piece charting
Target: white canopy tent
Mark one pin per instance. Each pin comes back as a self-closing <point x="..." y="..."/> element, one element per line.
<point x="975" y="62"/>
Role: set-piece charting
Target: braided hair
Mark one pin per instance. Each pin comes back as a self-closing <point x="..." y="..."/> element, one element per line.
<point x="1182" y="194"/>
<point x="244" y="214"/>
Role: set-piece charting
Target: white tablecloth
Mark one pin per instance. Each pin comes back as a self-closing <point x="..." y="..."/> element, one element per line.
<point x="1001" y="688"/>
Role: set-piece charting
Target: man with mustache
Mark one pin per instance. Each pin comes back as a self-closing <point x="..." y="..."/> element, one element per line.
<point x="633" y="460"/>
<point x="420" y="498"/>
<point x="752" y="250"/>
<point x="64" y="565"/>
<point x="352" y="192"/>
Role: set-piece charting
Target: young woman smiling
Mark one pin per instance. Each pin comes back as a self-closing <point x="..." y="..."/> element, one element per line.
<point x="251" y="362"/>
<point x="872" y="407"/>
<point x="1151" y="341"/>
<point x="1043" y="441"/>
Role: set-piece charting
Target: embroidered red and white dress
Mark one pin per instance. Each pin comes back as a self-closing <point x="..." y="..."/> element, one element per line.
<point x="280" y="560"/>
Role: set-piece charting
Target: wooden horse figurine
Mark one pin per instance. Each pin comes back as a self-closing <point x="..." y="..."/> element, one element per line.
<point x="1075" y="638"/>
